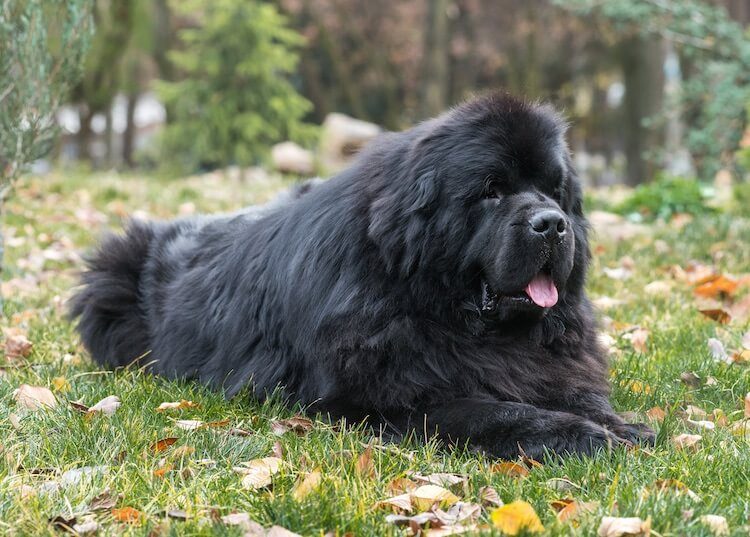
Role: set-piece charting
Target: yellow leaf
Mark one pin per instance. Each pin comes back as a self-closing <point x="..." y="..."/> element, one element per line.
<point x="426" y="496"/>
<point x="514" y="517"/>
<point x="258" y="472"/>
<point x="306" y="485"/>
<point x="177" y="405"/>
<point x="399" y="503"/>
<point x="512" y="469"/>
<point x="687" y="441"/>
<point x="60" y="384"/>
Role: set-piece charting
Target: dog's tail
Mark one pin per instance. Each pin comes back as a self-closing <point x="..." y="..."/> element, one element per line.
<point x="111" y="322"/>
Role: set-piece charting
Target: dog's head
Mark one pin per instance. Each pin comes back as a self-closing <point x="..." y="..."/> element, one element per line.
<point x="485" y="199"/>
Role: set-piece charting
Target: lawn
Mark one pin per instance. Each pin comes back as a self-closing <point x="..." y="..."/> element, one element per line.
<point x="57" y="464"/>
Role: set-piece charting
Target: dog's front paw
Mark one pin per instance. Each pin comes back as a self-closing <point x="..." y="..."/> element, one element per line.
<point x="591" y="438"/>
<point x="637" y="433"/>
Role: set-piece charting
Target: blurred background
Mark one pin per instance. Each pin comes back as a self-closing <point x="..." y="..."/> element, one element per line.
<point x="652" y="88"/>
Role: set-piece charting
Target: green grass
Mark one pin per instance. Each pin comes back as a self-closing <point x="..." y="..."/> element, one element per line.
<point x="66" y="213"/>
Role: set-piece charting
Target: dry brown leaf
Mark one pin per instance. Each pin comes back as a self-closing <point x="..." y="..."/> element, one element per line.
<point x="619" y="527"/>
<point x="573" y="510"/>
<point x="299" y="425"/>
<point x="690" y="379"/>
<point x="189" y="425"/>
<point x="258" y="473"/>
<point x="746" y="340"/>
<point x="741" y="356"/>
<point x="307" y="484"/>
<point x="236" y="431"/>
<point x="516" y="517"/>
<point x="161" y="445"/>
<point x="687" y="441"/>
<point x="365" y="466"/>
<point x="489" y="496"/>
<point x="719" y="315"/>
<point x="512" y="469"/>
<point x="717" y="524"/>
<point x="424" y="497"/>
<point x="17" y="344"/>
<point x="278" y="531"/>
<point x="34" y="397"/>
<point x="278" y="450"/>
<point x="747" y="405"/>
<point x="741" y="428"/>
<point x="177" y="405"/>
<point x="639" y="340"/>
<point x="128" y="515"/>
<point x="656" y="414"/>
<point x="104" y="500"/>
<point x="401" y="485"/>
<point x="658" y="287"/>
<point x="161" y="472"/>
<point x="399" y="503"/>
<point x="717" y="287"/>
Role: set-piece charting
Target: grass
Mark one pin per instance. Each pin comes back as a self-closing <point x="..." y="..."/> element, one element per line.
<point x="51" y="220"/>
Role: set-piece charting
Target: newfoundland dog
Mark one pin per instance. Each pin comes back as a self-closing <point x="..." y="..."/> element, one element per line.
<point x="435" y="287"/>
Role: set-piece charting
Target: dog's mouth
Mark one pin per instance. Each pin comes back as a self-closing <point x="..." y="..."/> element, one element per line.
<point x="540" y="292"/>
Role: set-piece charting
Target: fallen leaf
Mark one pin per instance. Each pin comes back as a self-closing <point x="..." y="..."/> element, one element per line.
<point x="690" y="379"/>
<point x="189" y="425"/>
<point x="258" y="473"/>
<point x="741" y="356"/>
<point x="34" y="397"/>
<point x="656" y="414"/>
<point x="399" y="503"/>
<point x="161" y="445"/>
<point x="365" y="466"/>
<point x="717" y="287"/>
<point x="717" y="314"/>
<point x="424" y="497"/>
<point x="663" y="485"/>
<point x="86" y="527"/>
<point x="512" y="469"/>
<point x="441" y="479"/>
<point x="561" y="484"/>
<point x="161" y="472"/>
<point x="80" y="407"/>
<point x="701" y="425"/>
<point x="177" y="405"/>
<point x="299" y="425"/>
<point x="278" y="450"/>
<point x="516" y="517"/>
<point x="243" y="521"/>
<point x="107" y="406"/>
<point x="573" y="510"/>
<point x="658" y="287"/>
<point x="741" y="428"/>
<point x="686" y="441"/>
<point x="17" y="344"/>
<point x="177" y="514"/>
<point x="747" y="405"/>
<point x="638" y="339"/>
<point x="489" y="496"/>
<point x="618" y="527"/>
<point x="307" y="484"/>
<point x="104" y="500"/>
<point x="60" y="384"/>
<point x="401" y="485"/>
<point x="277" y="531"/>
<point x="695" y="411"/>
<point x="717" y="524"/>
<point x="746" y="340"/>
<point x="128" y="515"/>
<point x="235" y="431"/>
<point x="717" y="350"/>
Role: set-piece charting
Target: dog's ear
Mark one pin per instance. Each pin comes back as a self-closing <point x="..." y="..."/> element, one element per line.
<point x="400" y="216"/>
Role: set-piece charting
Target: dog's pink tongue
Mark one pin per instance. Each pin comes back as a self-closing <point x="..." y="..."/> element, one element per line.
<point x="542" y="291"/>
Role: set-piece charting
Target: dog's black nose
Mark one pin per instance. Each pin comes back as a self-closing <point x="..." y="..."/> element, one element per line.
<point x="549" y="222"/>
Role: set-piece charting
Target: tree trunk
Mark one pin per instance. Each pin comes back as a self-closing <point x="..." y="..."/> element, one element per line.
<point x="128" y="137"/>
<point x="435" y="75"/>
<point x="84" y="134"/>
<point x="642" y="61"/>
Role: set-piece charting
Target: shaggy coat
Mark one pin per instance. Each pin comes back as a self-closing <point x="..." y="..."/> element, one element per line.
<point x="436" y="286"/>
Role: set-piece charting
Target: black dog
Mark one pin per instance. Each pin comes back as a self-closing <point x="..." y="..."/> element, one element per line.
<point x="435" y="286"/>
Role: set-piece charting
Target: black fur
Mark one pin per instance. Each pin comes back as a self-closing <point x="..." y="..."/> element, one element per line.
<point x="393" y="290"/>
